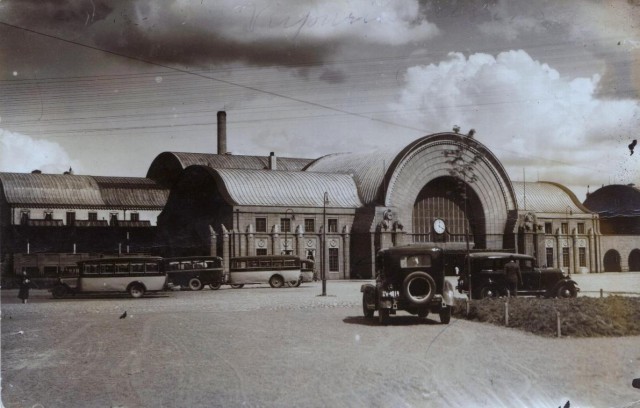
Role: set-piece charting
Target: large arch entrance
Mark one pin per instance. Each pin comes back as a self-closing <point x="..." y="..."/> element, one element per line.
<point x="612" y="261"/>
<point x="634" y="261"/>
<point x="443" y="199"/>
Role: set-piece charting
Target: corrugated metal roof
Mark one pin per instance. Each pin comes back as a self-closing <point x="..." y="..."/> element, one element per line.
<point x="231" y="161"/>
<point x="51" y="189"/>
<point x="366" y="168"/>
<point x="285" y="188"/>
<point x="82" y="191"/>
<point x="546" y="197"/>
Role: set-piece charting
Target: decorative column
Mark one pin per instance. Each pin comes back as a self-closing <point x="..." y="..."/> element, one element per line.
<point x="251" y="242"/>
<point x="225" y="248"/>
<point x="213" y="242"/>
<point x="299" y="245"/>
<point x="275" y="240"/>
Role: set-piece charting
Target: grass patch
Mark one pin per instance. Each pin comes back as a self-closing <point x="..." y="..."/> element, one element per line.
<point x="612" y="316"/>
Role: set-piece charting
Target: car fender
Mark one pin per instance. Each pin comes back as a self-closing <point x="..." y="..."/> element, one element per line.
<point x="447" y="293"/>
<point x="367" y="287"/>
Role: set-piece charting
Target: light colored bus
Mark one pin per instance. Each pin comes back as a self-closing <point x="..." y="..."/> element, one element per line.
<point x="307" y="273"/>
<point x="272" y="269"/>
<point x="135" y="275"/>
<point x="194" y="272"/>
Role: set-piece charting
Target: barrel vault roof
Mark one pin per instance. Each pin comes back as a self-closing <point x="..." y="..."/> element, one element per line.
<point x="546" y="197"/>
<point x="286" y="188"/>
<point x="58" y="190"/>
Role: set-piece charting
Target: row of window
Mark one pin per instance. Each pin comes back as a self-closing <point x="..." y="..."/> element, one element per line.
<point x="285" y="224"/>
<point x="566" y="259"/>
<point x="334" y="254"/>
<point x="564" y="228"/>
<point x="71" y="217"/>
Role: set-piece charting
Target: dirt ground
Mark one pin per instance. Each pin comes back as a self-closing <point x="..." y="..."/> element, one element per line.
<point x="263" y="347"/>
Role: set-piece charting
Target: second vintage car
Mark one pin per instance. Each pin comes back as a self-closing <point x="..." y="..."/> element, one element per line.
<point x="485" y="272"/>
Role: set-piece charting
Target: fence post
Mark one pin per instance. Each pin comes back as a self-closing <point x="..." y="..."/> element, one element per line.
<point x="468" y="305"/>
<point x="601" y="293"/>
<point x="558" y="323"/>
<point x="506" y="313"/>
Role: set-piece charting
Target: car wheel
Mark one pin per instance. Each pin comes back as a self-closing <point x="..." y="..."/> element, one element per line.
<point x="276" y="281"/>
<point x="368" y="313"/>
<point x="419" y="287"/>
<point x="383" y="316"/>
<point x="215" y="286"/>
<point x="295" y="284"/>
<point x="59" y="291"/>
<point x="489" y="292"/>
<point x="237" y="286"/>
<point x="567" y="291"/>
<point x="195" y="284"/>
<point x="136" y="290"/>
<point x="445" y="315"/>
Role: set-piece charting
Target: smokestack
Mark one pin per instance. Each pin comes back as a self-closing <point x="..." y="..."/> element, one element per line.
<point x="273" y="161"/>
<point x="222" y="132"/>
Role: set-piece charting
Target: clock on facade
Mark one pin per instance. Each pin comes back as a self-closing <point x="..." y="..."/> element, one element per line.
<point x="439" y="226"/>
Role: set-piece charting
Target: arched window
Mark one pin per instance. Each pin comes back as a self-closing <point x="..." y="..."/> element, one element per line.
<point x="612" y="261"/>
<point x="634" y="261"/>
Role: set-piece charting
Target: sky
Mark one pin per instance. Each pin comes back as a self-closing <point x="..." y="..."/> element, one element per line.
<point x="103" y="87"/>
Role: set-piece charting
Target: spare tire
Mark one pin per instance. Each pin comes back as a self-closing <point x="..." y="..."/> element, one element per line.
<point x="419" y="287"/>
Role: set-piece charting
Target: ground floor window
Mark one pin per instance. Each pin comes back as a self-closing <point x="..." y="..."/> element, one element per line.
<point x="549" y="257"/>
<point x="582" y="256"/>
<point x="261" y="251"/>
<point x="333" y="260"/>
<point x="565" y="257"/>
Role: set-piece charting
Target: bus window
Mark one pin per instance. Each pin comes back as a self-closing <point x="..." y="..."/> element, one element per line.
<point x="289" y="262"/>
<point x="277" y="264"/>
<point x="152" y="267"/>
<point x="265" y="264"/>
<point x="185" y="265"/>
<point x="252" y="264"/>
<point x="121" y="268"/>
<point x="106" y="268"/>
<point x="174" y="266"/>
<point x="198" y="265"/>
<point x="91" y="269"/>
<point x="137" y="267"/>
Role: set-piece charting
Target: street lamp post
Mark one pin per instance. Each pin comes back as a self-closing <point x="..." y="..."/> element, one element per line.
<point x="568" y="211"/>
<point x="325" y="201"/>
<point x="293" y="217"/>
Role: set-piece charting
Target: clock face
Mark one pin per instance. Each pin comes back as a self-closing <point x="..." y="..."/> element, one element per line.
<point x="439" y="226"/>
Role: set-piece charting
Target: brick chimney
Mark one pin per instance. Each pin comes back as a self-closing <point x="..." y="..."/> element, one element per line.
<point x="222" y="132"/>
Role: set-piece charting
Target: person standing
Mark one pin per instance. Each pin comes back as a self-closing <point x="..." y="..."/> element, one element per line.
<point x="513" y="276"/>
<point x="25" y="285"/>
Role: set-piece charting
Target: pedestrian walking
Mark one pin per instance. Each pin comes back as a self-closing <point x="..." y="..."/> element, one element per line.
<point x="25" y="285"/>
<point x="513" y="276"/>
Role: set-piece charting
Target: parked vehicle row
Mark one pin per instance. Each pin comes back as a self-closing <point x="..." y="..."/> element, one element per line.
<point x="142" y="274"/>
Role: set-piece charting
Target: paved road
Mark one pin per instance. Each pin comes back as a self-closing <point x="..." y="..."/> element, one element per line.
<point x="259" y="346"/>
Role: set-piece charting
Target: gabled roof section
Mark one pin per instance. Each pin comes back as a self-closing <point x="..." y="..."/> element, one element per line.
<point x="546" y="197"/>
<point x="282" y="188"/>
<point x="167" y="166"/>
<point x="67" y="190"/>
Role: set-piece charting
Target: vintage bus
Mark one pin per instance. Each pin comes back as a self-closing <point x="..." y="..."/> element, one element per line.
<point x="194" y="272"/>
<point x="276" y="270"/>
<point x="133" y="275"/>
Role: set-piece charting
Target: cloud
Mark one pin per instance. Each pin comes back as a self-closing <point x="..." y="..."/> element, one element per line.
<point x="527" y="113"/>
<point x="21" y="154"/>
<point x="260" y="32"/>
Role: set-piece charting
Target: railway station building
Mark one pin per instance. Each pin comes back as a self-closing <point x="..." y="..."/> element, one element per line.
<point x="445" y="188"/>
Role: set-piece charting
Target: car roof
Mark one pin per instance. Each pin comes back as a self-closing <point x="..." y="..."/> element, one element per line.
<point x="498" y="255"/>
<point x="411" y="249"/>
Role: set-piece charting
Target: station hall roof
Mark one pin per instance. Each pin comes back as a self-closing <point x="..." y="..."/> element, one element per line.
<point x="617" y="200"/>
<point x="547" y="197"/>
<point x="283" y="188"/>
<point x="167" y="166"/>
<point x="68" y="190"/>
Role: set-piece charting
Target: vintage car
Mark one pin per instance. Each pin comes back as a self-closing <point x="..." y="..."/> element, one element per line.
<point x="409" y="278"/>
<point x="487" y="277"/>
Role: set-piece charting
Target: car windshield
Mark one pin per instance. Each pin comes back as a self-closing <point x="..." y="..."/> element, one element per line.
<point x="412" y="261"/>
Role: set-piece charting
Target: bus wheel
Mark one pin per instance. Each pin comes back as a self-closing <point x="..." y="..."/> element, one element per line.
<point x="136" y="290"/>
<point x="195" y="284"/>
<point x="276" y="281"/>
<point x="59" y="291"/>
<point x="238" y="286"/>
<point x="215" y="286"/>
<point x="295" y="284"/>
